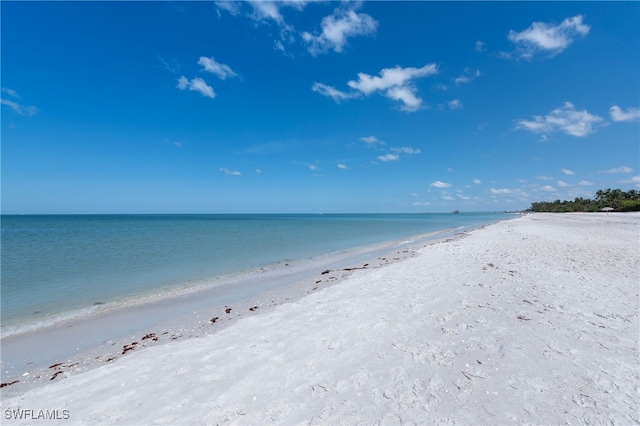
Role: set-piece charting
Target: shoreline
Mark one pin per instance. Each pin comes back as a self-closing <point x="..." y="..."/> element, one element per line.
<point x="531" y="320"/>
<point x="80" y="344"/>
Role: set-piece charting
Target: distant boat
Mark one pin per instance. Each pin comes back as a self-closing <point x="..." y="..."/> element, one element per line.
<point x="456" y="211"/>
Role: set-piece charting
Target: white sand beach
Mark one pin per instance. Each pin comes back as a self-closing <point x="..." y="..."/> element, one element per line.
<point x="533" y="320"/>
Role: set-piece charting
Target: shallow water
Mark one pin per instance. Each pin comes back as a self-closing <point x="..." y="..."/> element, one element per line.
<point x="57" y="266"/>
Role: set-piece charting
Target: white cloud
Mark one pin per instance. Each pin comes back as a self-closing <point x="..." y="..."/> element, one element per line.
<point x="547" y="188"/>
<point x="336" y="28"/>
<point x="221" y="70"/>
<point x="406" y="150"/>
<point x="565" y="119"/>
<point x="501" y="191"/>
<point x="397" y="77"/>
<point x="407" y="96"/>
<point x="635" y="180"/>
<point x="197" y="84"/>
<point x="342" y="166"/>
<point x="389" y="157"/>
<point x="477" y="181"/>
<point x="568" y="172"/>
<point x="258" y="171"/>
<point x="230" y="6"/>
<point x="480" y="46"/>
<point x="563" y="184"/>
<point x="439" y="184"/>
<point x="545" y="177"/>
<point x="178" y="144"/>
<point x="267" y="10"/>
<point x="421" y="203"/>
<point x="314" y="167"/>
<point x="333" y="93"/>
<point x="455" y="104"/>
<point x="543" y="37"/>
<point x="621" y="169"/>
<point x="370" y="140"/>
<point x="585" y="183"/>
<point x="631" y="114"/>
<point x="230" y="172"/>
<point x="395" y="83"/>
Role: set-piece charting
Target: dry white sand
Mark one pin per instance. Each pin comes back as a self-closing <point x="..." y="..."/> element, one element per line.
<point x="528" y="321"/>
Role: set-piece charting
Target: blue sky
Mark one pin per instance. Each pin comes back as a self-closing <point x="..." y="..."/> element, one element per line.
<point x="203" y="107"/>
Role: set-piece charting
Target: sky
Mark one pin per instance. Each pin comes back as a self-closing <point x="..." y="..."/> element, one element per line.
<point x="310" y="107"/>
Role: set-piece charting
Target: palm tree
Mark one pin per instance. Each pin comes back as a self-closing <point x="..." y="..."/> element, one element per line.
<point x="615" y="197"/>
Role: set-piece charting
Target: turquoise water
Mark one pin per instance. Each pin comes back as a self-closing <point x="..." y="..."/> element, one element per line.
<point x="55" y="264"/>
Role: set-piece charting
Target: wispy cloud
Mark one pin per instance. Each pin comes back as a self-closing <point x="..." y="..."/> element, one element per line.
<point x="455" y="104"/>
<point x="565" y="119"/>
<point x="397" y="77"/>
<point x="230" y="172"/>
<point x="342" y="166"/>
<point x="264" y="10"/>
<point x="221" y="70"/>
<point x="406" y="150"/>
<point x="17" y="106"/>
<point x="197" y="84"/>
<point x="333" y="93"/>
<point x="477" y="181"/>
<point x="394" y="83"/>
<point x="389" y="157"/>
<point x="480" y="46"/>
<point x="232" y="7"/>
<point x="467" y="77"/>
<point x="631" y="114"/>
<point x="439" y="184"/>
<point x="172" y="66"/>
<point x="371" y="140"/>
<point x="585" y="183"/>
<point x="546" y="188"/>
<point x="11" y="93"/>
<point x="546" y="38"/>
<point x="635" y="180"/>
<point x="621" y="169"/>
<point x="501" y="191"/>
<point x="568" y="172"/>
<point x="336" y="28"/>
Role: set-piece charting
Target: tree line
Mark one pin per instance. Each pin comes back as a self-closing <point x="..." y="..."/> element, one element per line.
<point x="615" y="199"/>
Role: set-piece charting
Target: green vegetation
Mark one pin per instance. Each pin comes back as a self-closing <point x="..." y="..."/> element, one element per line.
<point x="616" y="199"/>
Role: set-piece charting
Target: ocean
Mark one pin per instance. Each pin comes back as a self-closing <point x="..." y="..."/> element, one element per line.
<point x="62" y="266"/>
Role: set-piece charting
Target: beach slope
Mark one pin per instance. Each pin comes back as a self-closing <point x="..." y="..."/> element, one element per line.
<point x="532" y="320"/>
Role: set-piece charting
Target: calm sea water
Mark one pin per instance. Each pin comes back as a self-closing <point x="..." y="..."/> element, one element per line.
<point x="56" y="264"/>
